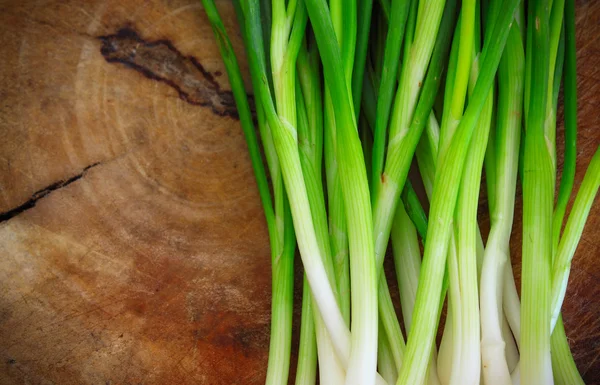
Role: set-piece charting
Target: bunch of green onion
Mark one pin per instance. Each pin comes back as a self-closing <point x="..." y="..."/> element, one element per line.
<point x="347" y="93"/>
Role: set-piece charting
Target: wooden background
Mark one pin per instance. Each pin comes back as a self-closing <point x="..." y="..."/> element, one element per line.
<point x="133" y="248"/>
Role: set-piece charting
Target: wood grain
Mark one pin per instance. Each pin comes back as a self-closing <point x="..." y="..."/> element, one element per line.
<point x="132" y="242"/>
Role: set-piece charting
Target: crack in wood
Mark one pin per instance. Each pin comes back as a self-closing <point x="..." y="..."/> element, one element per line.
<point x="159" y="60"/>
<point x="35" y="197"/>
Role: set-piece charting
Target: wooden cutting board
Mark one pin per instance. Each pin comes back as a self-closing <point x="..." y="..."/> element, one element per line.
<point x="133" y="249"/>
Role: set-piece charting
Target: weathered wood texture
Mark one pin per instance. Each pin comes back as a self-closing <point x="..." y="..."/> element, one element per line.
<point x="133" y="248"/>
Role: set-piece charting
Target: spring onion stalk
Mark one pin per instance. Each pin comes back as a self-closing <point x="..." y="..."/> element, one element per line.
<point x="455" y="99"/>
<point x="385" y="359"/>
<point x="338" y="227"/>
<point x="563" y="366"/>
<point x="458" y="364"/>
<point x="555" y="27"/>
<point x="402" y="139"/>
<point x="337" y="216"/>
<point x="362" y="363"/>
<point x="393" y="44"/>
<point x="328" y="65"/>
<point x="407" y="260"/>
<point x="427" y="152"/>
<point x="536" y="366"/>
<point x="570" y="116"/>
<point x="278" y="220"/>
<point x="388" y="197"/>
<point x="387" y="313"/>
<point x="421" y="117"/>
<point x="393" y="345"/>
<point x="390" y="325"/>
<point x="310" y="133"/>
<point x="443" y="203"/>
<point x="459" y="352"/>
<point x="466" y="369"/>
<point x="284" y="135"/>
<point x="508" y="131"/>
<point x="449" y="350"/>
<point x="511" y="350"/>
<point x="409" y="196"/>
<point x="310" y="146"/>
<point x="384" y="204"/>
<point x="364" y="11"/>
<point x="281" y="308"/>
<point x="414" y="209"/>
<point x="392" y="353"/>
<point x="556" y="47"/>
<point x="572" y="233"/>
<point x="511" y="304"/>
<point x="426" y="158"/>
<point x="306" y="372"/>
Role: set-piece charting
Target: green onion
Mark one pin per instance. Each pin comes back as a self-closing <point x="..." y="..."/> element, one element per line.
<point x="362" y="362"/>
<point x="284" y="135"/>
<point x="564" y="369"/>
<point x="443" y="203"/>
<point x="572" y="234"/>
<point x="536" y="366"/>
<point x="563" y="365"/>
<point x="306" y="372"/>
<point x="350" y="88"/>
<point x="393" y="44"/>
<point x="508" y="132"/>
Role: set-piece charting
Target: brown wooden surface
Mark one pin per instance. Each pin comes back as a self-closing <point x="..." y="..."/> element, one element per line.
<point x="132" y="244"/>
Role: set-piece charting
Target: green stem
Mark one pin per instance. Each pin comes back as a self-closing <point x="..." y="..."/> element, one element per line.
<point x="409" y="196"/>
<point x="496" y="257"/>
<point x="400" y="153"/>
<point x="306" y="372"/>
<point x="388" y="196"/>
<point x="391" y="60"/>
<point x="282" y="310"/>
<point x="460" y="80"/>
<point x="343" y="21"/>
<point x="284" y="135"/>
<point x="572" y="234"/>
<point x="365" y="9"/>
<point x="407" y="260"/>
<point x="536" y="366"/>
<point x="362" y="363"/>
<point x="555" y="26"/>
<point x="414" y="209"/>
<point x="310" y="132"/>
<point x="443" y="203"/>
<point x="385" y="360"/>
<point x="467" y="369"/>
<point x="570" y="113"/>
<point x="563" y="366"/>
